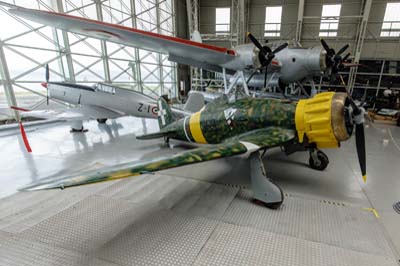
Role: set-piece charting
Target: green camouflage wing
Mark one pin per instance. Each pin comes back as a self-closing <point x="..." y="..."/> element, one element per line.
<point x="248" y="142"/>
<point x="202" y="154"/>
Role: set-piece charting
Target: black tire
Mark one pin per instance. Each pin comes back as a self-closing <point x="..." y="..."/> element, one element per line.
<point x="324" y="161"/>
<point x="273" y="205"/>
<point x="102" y="120"/>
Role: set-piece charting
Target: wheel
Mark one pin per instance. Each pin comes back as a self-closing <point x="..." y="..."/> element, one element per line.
<point x="273" y="205"/>
<point x="322" y="163"/>
<point x="102" y="120"/>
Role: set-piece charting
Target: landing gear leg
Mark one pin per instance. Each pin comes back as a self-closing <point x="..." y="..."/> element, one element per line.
<point x="166" y="140"/>
<point x="77" y="126"/>
<point x="318" y="160"/>
<point x="265" y="191"/>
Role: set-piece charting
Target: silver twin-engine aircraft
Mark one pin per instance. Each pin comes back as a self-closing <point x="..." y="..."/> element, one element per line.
<point x="255" y="60"/>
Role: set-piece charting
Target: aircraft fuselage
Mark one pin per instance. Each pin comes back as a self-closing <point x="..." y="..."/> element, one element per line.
<point x="123" y="101"/>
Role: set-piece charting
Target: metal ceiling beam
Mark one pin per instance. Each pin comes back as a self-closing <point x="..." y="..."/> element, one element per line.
<point x="67" y="48"/>
<point x="192" y="7"/>
<point x="362" y="29"/>
<point x="136" y="63"/>
<point x="8" y="88"/>
<point x="103" y="44"/>
<point x="300" y="16"/>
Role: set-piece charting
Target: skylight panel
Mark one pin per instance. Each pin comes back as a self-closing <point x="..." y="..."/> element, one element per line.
<point x="391" y="21"/>
<point x="222" y="20"/>
<point x="273" y="18"/>
<point x="329" y="20"/>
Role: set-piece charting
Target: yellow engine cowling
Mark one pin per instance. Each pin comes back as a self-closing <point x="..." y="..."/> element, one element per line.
<point x="322" y="119"/>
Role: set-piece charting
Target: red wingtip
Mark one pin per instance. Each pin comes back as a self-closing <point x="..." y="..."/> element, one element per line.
<point x="19" y="109"/>
<point x="24" y="138"/>
<point x="44" y="84"/>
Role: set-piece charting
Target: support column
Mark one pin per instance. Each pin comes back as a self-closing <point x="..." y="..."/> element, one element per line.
<point x="104" y="53"/>
<point x="237" y="26"/>
<point x="67" y="49"/>
<point x="160" y="61"/>
<point x="8" y="88"/>
<point x="359" y="44"/>
<point x="192" y="7"/>
<point x="138" y="73"/>
<point x="299" y="25"/>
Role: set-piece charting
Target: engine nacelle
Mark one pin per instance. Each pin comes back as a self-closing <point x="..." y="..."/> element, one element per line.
<point x="298" y="63"/>
<point x="324" y="119"/>
<point x="246" y="58"/>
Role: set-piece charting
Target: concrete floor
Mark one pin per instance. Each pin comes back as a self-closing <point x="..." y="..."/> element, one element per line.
<point x="57" y="152"/>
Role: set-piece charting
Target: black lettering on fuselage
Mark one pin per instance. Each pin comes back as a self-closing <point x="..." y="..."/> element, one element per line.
<point x="140" y="107"/>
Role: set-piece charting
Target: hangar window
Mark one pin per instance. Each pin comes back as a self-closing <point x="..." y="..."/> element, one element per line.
<point x="329" y="20"/>
<point x="391" y="21"/>
<point x="222" y="20"/>
<point x="273" y="18"/>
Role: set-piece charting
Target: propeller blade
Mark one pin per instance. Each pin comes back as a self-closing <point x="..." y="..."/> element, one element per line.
<point x="280" y="48"/>
<point x="346" y="57"/>
<point x="344" y="48"/>
<point x="24" y="137"/>
<point x="326" y="46"/>
<point x="255" y="42"/>
<point x="360" y="144"/>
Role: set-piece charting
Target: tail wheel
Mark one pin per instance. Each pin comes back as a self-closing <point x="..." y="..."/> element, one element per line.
<point x="321" y="163"/>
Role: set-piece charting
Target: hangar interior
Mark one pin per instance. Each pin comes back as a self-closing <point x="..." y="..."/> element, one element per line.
<point x="200" y="214"/>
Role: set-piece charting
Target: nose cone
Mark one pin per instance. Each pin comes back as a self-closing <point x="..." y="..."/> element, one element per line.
<point x="44" y="84"/>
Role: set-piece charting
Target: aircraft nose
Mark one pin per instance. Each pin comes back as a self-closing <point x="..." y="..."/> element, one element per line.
<point x="44" y="84"/>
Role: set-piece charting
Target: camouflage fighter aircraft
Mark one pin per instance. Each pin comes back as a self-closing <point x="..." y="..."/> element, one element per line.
<point x="245" y="126"/>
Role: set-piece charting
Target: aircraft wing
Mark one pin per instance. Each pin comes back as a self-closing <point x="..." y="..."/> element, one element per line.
<point x="84" y="112"/>
<point x="179" y="50"/>
<point x="245" y="143"/>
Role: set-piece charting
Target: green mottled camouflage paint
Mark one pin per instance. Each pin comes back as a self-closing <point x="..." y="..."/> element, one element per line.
<point x="201" y="154"/>
<point x="250" y="114"/>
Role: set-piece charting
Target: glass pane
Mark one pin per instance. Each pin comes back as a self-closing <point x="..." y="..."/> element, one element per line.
<point x="331" y="10"/>
<point x="392" y="12"/>
<point x="333" y="26"/>
<point x="273" y="14"/>
<point x="386" y="25"/>
<point x="384" y="34"/>
<point x="223" y="15"/>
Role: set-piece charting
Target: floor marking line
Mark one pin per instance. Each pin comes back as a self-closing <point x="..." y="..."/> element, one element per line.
<point x="373" y="210"/>
<point x="394" y="141"/>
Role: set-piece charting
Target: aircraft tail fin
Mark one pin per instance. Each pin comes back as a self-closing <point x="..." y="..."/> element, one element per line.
<point x="196" y="37"/>
<point x="194" y="102"/>
<point x="165" y="115"/>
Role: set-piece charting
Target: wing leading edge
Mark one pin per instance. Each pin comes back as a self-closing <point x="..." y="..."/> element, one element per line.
<point x="249" y="142"/>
